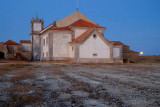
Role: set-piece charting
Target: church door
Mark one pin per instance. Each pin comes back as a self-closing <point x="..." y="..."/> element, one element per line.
<point x="1" y="55"/>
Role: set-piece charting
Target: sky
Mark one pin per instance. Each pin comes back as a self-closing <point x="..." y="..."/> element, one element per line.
<point x="134" y="22"/>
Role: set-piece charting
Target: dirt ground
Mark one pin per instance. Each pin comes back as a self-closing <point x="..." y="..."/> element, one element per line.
<point x="79" y="85"/>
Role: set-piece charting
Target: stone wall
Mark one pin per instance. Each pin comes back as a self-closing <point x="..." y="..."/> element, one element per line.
<point x="14" y="52"/>
<point x="130" y="57"/>
<point x="148" y="59"/>
<point x="94" y="47"/>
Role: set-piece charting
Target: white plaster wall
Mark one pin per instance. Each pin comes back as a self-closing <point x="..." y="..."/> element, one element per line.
<point x="60" y="44"/>
<point x="71" y="51"/>
<point x="37" y="27"/>
<point x="94" y="46"/>
<point x="79" y="31"/>
<point x="36" y="46"/>
<point x="26" y="47"/>
<point x="116" y="52"/>
<point x="44" y="47"/>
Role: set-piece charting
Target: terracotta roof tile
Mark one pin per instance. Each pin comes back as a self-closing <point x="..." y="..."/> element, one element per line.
<point x="83" y="36"/>
<point x="83" y="23"/>
<point x="129" y="51"/>
<point x="60" y="28"/>
<point x="10" y="42"/>
<point x="1" y="42"/>
<point x="117" y="43"/>
<point x="25" y="41"/>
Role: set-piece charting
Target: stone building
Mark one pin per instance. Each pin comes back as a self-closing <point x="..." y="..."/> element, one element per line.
<point x="1" y="50"/>
<point x="127" y="54"/>
<point x="74" y="38"/>
<point x="13" y="50"/>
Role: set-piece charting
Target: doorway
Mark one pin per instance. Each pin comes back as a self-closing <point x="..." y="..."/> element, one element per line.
<point x="1" y="55"/>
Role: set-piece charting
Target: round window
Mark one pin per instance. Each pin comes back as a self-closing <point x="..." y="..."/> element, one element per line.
<point x="94" y="35"/>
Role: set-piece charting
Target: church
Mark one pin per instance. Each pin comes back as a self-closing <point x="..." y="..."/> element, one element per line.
<point x="74" y="38"/>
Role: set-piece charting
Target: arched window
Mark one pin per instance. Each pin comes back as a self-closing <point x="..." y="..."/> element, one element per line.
<point x="43" y="55"/>
<point x="44" y="41"/>
<point x="95" y="36"/>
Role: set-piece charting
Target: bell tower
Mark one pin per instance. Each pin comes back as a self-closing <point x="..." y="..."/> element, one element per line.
<point x="36" y="25"/>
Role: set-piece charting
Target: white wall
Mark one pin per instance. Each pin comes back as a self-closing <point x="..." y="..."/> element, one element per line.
<point x="36" y="46"/>
<point x="72" y="51"/>
<point x="94" y="46"/>
<point x="116" y="52"/>
<point x="44" y="47"/>
<point x="26" y="47"/>
<point x="37" y="27"/>
<point x="60" y="44"/>
<point x="79" y="31"/>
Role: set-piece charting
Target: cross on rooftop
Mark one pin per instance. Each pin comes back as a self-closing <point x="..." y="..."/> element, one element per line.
<point x="77" y="4"/>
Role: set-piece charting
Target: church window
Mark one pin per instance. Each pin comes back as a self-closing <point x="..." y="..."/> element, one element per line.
<point x="47" y="54"/>
<point x="43" y="55"/>
<point x="44" y="42"/>
<point x="94" y="35"/>
<point x="94" y="54"/>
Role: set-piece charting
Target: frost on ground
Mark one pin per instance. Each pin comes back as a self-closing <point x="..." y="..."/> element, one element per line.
<point x="47" y="84"/>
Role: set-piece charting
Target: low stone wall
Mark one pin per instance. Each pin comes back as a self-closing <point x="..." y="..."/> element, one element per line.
<point x="92" y="60"/>
<point x="131" y="57"/>
<point x="26" y="55"/>
<point x="148" y="59"/>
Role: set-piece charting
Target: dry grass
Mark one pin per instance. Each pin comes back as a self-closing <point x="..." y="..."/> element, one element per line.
<point x="35" y="91"/>
<point x="4" y="69"/>
<point x="8" y="67"/>
<point x="19" y="65"/>
<point x="36" y="66"/>
<point x="25" y="99"/>
<point x="21" y="71"/>
<point x="18" y="78"/>
<point x="23" y="88"/>
<point x="21" y="94"/>
<point x="136" y="67"/>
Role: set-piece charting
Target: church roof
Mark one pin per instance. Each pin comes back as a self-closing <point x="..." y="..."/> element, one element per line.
<point x="87" y="33"/>
<point x="72" y="18"/>
<point x="83" y="23"/>
<point x="76" y="19"/>
<point x="117" y="43"/>
<point x="57" y="28"/>
<point x="10" y="42"/>
<point x="129" y="51"/>
<point x="1" y="42"/>
<point x="83" y="36"/>
<point x="25" y="41"/>
<point x="60" y="28"/>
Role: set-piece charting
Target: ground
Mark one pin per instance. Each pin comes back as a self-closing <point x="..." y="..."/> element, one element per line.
<point x="78" y="85"/>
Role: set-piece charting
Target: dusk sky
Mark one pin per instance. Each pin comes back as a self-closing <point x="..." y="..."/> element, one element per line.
<point x="133" y="22"/>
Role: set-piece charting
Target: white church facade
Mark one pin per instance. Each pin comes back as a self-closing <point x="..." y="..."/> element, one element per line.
<point x="75" y="38"/>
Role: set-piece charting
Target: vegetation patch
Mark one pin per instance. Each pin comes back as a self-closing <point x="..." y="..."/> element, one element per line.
<point x="19" y="78"/>
<point x="25" y="99"/>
